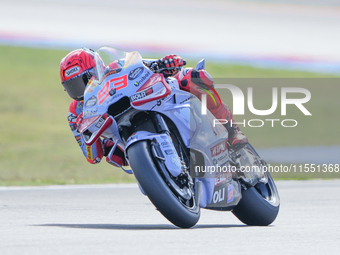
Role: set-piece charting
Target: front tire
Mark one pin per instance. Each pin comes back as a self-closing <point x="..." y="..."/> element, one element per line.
<point x="184" y="214"/>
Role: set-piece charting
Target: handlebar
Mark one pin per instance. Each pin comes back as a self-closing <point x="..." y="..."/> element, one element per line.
<point x="157" y="65"/>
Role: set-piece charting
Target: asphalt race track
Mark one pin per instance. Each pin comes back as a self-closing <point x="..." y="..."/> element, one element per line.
<point x="118" y="219"/>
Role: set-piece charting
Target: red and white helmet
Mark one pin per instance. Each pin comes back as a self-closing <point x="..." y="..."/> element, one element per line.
<point x="75" y="71"/>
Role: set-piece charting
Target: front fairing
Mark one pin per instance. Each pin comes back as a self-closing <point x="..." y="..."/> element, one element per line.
<point x="111" y="77"/>
<point x="122" y="74"/>
<point x="120" y="82"/>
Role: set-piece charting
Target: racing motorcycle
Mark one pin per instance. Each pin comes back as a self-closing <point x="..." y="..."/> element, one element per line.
<point x="180" y="160"/>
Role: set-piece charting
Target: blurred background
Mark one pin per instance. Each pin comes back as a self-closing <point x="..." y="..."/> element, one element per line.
<point x="238" y="39"/>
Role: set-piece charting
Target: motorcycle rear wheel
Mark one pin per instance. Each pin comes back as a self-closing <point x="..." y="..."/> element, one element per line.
<point x="259" y="205"/>
<point x="158" y="189"/>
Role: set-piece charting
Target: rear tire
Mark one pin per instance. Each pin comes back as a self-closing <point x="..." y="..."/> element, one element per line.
<point x="173" y="207"/>
<point x="259" y="205"/>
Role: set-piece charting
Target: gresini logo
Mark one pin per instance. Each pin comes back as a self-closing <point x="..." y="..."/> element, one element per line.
<point x="239" y="104"/>
<point x="135" y="73"/>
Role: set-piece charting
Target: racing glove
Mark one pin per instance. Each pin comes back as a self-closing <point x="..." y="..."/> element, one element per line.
<point x="173" y="63"/>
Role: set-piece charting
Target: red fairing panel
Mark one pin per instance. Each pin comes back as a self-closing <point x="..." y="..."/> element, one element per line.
<point x="155" y="88"/>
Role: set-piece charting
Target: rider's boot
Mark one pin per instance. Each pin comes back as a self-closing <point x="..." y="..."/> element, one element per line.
<point x="117" y="158"/>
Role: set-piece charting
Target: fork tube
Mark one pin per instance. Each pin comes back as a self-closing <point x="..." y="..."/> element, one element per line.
<point x="124" y="133"/>
<point x="159" y="123"/>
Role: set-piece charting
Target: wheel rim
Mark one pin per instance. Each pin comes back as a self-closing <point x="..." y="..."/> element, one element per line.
<point x="269" y="191"/>
<point x="184" y="195"/>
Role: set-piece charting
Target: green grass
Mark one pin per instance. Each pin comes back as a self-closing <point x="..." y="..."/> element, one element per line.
<point x="36" y="145"/>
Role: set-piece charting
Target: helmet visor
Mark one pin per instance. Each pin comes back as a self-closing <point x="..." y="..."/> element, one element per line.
<point x="75" y="87"/>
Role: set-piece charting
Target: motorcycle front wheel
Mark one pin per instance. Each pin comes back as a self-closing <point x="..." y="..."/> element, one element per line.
<point x="161" y="191"/>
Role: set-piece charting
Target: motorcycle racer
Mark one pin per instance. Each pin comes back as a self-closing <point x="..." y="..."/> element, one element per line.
<point x="77" y="69"/>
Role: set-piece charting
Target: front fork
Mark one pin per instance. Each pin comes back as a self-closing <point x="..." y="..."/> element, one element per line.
<point x="159" y="123"/>
<point x="162" y="128"/>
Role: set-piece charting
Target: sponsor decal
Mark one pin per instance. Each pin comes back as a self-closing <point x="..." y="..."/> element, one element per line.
<point x="165" y="144"/>
<point x="91" y="102"/>
<point x="176" y="161"/>
<point x="130" y="57"/>
<point x="90" y="112"/>
<point x="114" y="97"/>
<point x="218" y="195"/>
<point x="169" y="152"/>
<point x="222" y="157"/>
<point x="134" y="60"/>
<point x="89" y="152"/>
<point x="143" y="79"/>
<point x="230" y="193"/>
<point x="185" y="100"/>
<point x="218" y="149"/>
<point x="222" y="178"/>
<point x="78" y="140"/>
<point x="135" y="73"/>
<point x="91" y="85"/>
<point x="72" y="71"/>
<point x="89" y="82"/>
<point x="141" y="95"/>
<point x="138" y="96"/>
<point x="100" y="122"/>
<point x="113" y="71"/>
<point x="71" y="117"/>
